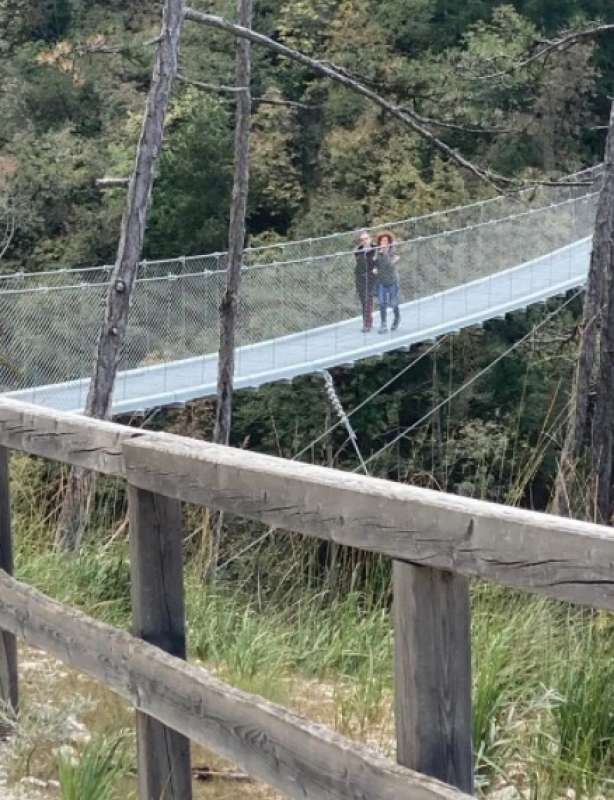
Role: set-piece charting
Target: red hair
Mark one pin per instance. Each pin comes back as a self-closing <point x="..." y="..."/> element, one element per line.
<point x="383" y="235"/>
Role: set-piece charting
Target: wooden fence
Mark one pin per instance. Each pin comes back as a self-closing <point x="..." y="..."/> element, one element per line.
<point x="437" y="541"/>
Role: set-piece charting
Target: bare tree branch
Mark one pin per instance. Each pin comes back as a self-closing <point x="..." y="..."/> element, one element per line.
<point x="234" y="90"/>
<point x="335" y="74"/>
<point x="211" y="87"/>
<point x="98" y="46"/>
<point x="9" y="232"/>
<point x="457" y="126"/>
<point x="406" y="116"/>
<point x="548" y="47"/>
<point x="278" y="101"/>
<point x="112" y="183"/>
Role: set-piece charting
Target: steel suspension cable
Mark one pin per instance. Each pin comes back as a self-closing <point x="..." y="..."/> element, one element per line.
<point x="470" y="382"/>
<point x="364" y="463"/>
<point x="328" y="431"/>
<point x="372" y="396"/>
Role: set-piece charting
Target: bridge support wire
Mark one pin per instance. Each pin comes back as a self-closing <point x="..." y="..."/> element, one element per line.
<point x="332" y="428"/>
<point x="372" y="396"/>
<point x="404" y="433"/>
<point x="344" y="418"/>
<point x="337" y="405"/>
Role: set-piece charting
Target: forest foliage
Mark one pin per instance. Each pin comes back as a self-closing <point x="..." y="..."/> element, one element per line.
<point x="76" y="73"/>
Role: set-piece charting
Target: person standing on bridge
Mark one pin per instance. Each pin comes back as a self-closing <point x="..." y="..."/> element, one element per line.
<point x="388" y="286"/>
<point x="364" y="276"/>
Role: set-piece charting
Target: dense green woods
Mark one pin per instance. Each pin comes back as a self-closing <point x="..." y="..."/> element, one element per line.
<point x="75" y="74"/>
<point x="75" y="77"/>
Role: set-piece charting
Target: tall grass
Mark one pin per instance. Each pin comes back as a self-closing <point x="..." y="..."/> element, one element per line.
<point x="280" y="623"/>
<point x="95" y="773"/>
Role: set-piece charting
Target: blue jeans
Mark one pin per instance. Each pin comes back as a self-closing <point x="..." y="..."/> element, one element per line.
<point x="388" y="295"/>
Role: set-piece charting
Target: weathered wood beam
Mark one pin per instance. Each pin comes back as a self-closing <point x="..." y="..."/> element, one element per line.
<point x="549" y="555"/>
<point x="302" y="759"/>
<point x="553" y="556"/>
<point x="68" y="438"/>
<point x="9" y="694"/>
<point x="432" y="688"/>
<point x="158" y="617"/>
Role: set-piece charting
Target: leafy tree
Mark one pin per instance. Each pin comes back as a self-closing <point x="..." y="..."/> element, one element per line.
<point x="304" y="24"/>
<point x="192" y="193"/>
<point x="357" y="42"/>
<point x="403" y="190"/>
<point x="53" y="187"/>
<point x="419" y="25"/>
<point x="276" y="191"/>
<point x="337" y="163"/>
<point x="24" y="20"/>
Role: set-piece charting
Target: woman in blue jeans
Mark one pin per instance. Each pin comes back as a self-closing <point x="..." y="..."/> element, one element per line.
<point x="388" y="288"/>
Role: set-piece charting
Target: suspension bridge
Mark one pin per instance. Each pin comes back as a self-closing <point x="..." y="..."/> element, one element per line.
<point x="298" y="311"/>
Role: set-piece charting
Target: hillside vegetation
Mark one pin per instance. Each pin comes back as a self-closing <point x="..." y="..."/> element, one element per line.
<point x="75" y="74"/>
<point x="315" y="617"/>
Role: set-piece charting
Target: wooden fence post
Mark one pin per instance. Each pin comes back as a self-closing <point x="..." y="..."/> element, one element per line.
<point x="9" y="694"/>
<point x="158" y="615"/>
<point x="433" y="673"/>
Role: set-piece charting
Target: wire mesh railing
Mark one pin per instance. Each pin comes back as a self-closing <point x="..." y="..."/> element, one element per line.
<point x="502" y="206"/>
<point x="48" y="330"/>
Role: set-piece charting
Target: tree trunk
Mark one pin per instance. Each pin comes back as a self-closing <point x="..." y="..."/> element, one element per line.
<point x="113" y="332"/>
<point x="603" y="418"/>
<point x="229" y="306"/>
<point x="595" y="356"/>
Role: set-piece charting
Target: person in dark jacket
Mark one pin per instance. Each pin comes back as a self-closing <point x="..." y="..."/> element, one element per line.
<point x="388" y="286"/>
<point x="364" y="276"/>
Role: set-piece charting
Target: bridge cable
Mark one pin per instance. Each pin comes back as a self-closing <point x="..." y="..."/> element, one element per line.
<point x="333" y="397"/>
<point x="329" y="430"/>
<point x="470" y="382"/>
<point x="364" y="463"/>
<point x="373" y="395"/>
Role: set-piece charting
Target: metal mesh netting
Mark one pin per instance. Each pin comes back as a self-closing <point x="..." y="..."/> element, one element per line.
<point x="96" y="275"/>
<point x="581" y="183"/>
<point x="48" y="331"/>
<point x="586" y="182"/>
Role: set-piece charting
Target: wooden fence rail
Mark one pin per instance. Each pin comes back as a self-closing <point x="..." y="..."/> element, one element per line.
<point x="299" y="758"/>
<point x="437" y="542"/>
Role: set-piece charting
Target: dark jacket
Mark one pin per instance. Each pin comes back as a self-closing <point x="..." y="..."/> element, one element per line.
<point x="385" y="262"/>
<point x="363" y="271"/>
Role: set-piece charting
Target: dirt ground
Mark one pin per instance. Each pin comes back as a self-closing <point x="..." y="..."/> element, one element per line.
<point x="65" y="709"/>
<point x="62" y="710"/>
